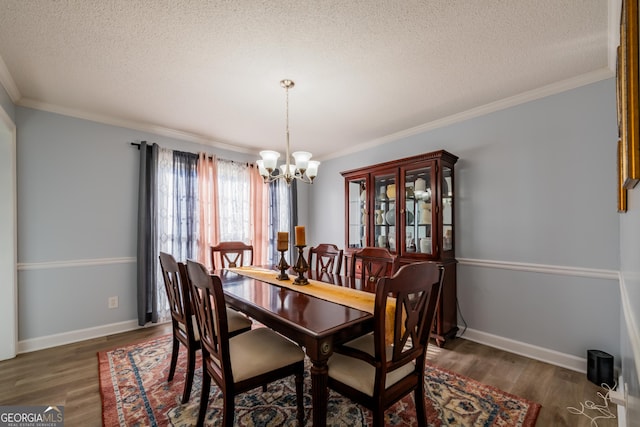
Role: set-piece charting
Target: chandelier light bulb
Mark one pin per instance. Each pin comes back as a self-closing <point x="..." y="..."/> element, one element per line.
<point x="302" y="160"/>
<point x="270" y="159"/>
<point x="312" y="169"/>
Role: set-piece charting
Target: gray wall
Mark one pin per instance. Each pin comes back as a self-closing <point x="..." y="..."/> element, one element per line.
<point x="630" y="319"/>
<point x="77" y="206"/>
<point x="536" y="213"/>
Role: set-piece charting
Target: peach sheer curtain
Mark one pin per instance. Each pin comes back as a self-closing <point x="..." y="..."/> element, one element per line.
<point x="208" y="193"/>
<point x="260" y="217"/>
<point x="209" y="224"/>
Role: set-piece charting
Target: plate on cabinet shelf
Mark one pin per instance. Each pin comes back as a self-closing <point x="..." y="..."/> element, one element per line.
<point x="391" y="217"/>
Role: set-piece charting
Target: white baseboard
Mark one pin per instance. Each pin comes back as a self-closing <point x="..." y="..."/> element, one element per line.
<point x="534" y="352"/>
<point x="55" y="340"/>
<point x="545" y="355"/>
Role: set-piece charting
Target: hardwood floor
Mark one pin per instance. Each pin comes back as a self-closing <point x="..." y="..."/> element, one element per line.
<point x="553" y="387"/>
<point x="68" y="375"/>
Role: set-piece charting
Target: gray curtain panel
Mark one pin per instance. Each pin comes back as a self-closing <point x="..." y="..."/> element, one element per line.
<point x="147" y="234"/>
<point x="274" y="224"/>
<point x="185" y="205"/>
<point x="275" y="206"/>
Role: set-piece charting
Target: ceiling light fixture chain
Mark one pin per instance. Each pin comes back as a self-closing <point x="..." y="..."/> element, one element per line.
<point x="303" y="169"/>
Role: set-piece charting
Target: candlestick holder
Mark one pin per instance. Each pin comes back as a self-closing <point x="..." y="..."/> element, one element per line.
<point x="301" y="267"/>
<point x="282" y="266"/>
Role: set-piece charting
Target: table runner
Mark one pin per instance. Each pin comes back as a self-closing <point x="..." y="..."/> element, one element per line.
<point x="353" y="298"/>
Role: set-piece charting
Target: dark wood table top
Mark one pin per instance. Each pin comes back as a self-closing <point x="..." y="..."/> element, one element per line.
<point x="317" y="317"/>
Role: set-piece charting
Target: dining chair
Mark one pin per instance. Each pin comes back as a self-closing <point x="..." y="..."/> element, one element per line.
<point x="370" y="264"/>
<point x="376" y="371"/>
<point x="231" y="255"/>
<point x="325" y="258"/>
<point x="243" y="362"/>
<point x="184" y="327"/>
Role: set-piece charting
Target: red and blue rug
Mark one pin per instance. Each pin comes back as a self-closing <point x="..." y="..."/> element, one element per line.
<point x="135" y="392"/>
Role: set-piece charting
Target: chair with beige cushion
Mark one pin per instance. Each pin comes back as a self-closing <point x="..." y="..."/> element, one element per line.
<point x="325" y="258"/>
<point x="231" y="255"/>
<point x="380" y="368"/>
<point x="184" y="327"/>
<point x="241" y="363"/>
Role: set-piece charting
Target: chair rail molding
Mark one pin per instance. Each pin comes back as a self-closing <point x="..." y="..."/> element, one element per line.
<point x="46" y="265"/>
<point x="594" y="273"/>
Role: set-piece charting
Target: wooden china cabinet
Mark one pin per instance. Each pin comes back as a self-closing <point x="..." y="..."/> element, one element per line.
<point x="407" y="206"/>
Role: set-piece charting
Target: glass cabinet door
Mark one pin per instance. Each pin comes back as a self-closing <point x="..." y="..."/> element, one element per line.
<point x="418" y="210"/>
<point x="385" y="211"/>
<point x="447" y="208"/>
<point x="357" y="213"/>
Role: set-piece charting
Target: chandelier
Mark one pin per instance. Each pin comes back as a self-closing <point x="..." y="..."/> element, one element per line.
<point x="302" y="169"/>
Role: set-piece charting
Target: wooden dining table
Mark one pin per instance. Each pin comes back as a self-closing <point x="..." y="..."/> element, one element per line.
<point x="314" y="323"/>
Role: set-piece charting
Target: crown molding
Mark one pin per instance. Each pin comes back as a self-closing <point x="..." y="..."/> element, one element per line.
<point x="130" y="124"/>
<point x="614" y="8"/>
<point x="8" y="83"/>
<point x="542" y="92"/>
<point x="554" y="88"/>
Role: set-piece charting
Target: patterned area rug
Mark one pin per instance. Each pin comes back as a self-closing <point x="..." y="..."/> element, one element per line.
<point x="135" y="392"/>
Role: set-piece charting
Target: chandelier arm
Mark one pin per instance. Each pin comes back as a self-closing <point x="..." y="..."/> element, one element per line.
<point x="272" y="178"/>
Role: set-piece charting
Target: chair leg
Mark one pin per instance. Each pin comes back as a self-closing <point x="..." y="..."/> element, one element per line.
<point x="378" y="416"/>
<point x="228" y="409"/>
<point x="299" y="397"/>
<point x="419" y="403"/>
<point x="204" y="397"/>
<point x="191" y="367"/>
<point x="174" y="358"/>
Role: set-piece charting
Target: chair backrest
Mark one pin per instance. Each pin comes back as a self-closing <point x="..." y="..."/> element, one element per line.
<point x="178" y="294"/>
<point x="373" y="263"/>
<point x="211" y="317"/>
<point x="416" y="289"/>
<point x="325" y="258"/>
<point x="231" y="254"/>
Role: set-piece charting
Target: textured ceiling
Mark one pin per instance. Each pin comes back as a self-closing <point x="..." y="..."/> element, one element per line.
<point x="365" y="70"/>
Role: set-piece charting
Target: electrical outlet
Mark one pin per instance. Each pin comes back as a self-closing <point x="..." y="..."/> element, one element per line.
<point x="113" y="302"/>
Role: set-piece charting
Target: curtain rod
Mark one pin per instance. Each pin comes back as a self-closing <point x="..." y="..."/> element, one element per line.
<point x="137" y="144"/>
